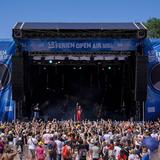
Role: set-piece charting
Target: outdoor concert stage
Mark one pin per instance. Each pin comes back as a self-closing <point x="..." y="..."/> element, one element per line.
<point x="100" y="65"/>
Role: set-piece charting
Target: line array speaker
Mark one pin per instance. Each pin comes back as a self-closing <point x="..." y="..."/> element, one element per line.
<point x="17" y="77"/>
<point x="141" y="78"/>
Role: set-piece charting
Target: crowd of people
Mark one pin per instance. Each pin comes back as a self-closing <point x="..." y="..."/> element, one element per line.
<point x="79" y="140"/>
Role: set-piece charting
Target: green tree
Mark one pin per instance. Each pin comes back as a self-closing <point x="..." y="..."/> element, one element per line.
<point x="153" y="26"/>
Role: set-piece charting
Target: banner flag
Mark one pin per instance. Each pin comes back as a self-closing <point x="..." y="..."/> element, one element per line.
<point x="152" y="50"/>
<point x="7" y="49"/>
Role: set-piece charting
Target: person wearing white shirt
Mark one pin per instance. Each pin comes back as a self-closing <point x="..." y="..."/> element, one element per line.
<point x="117" y="150"/>
<point x="32" y="142"/>
<point x="59" y="147"/>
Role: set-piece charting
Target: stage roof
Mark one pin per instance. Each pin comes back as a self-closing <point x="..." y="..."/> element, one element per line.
<point x="78" y="26"/>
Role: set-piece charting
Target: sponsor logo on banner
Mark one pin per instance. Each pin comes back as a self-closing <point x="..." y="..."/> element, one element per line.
<point x="152" y="56"/>
<point x="7" y="49"/>
<point x="3" y="55"/>
<point x="76" y="45"/>
<point x="9" y="108"/>
<point x="151" y="109"/>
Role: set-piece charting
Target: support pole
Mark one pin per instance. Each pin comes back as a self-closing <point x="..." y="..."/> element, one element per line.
<point x="14" y="103"/>
<point x="143" y="105"/>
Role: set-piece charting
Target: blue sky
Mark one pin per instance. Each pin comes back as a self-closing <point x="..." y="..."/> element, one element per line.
<point x="12" y="11"/>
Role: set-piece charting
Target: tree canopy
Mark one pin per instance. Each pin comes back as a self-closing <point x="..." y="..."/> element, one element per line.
<point x="153" y="26"/>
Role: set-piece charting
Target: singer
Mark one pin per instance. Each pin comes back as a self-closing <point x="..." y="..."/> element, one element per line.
<point x="78" y="112"/>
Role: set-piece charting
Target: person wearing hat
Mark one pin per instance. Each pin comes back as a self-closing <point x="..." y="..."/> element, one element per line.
<point x="40" y="152"/>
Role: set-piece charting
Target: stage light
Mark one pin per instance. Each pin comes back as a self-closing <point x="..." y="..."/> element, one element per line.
<point x="58" y="62"/>
<point x="80" y="68"/>
<point x="42" y="60"/>
<point x="109" y="67"/>
<point x="66" y="58"/>
<point x="50" y="61"/>
<point x="74" y="67"/>
<point x="92" y="58"/>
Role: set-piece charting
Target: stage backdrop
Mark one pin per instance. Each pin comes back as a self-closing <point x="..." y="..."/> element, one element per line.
<point x="152" y="50"/>
<point x="7" y="49"/>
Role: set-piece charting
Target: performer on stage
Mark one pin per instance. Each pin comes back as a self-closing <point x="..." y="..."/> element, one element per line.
<point x="36" y="111"/>
<point x="78" y="112"/>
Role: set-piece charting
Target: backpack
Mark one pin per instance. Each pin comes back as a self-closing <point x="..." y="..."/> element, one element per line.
<point x="19" y="142"/>
<point x="105" y="152"/>
<point x="10" y="137"/>
<point x="83" y="152"/>
<point x="51" y="148"/>
<point x="65" y="152"/>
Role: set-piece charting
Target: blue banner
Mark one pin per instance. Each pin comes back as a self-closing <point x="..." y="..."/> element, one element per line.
<point x="152" y="50"/>
<point x="7" y="48"/>
<point x="78" y="45"/>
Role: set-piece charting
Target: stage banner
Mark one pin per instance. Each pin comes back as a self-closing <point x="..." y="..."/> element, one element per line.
<point x="7" y="49"/>
<point x="77" y="45"/>
<point x="152" y="50"/>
